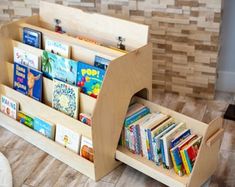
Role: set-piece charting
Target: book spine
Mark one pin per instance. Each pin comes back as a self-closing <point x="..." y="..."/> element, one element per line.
<point x="150" y="144"/>
<point x="188" y="161"/>
<point x="138" y="138"/>
<point x="136" y="116"/>
<point x="178" y="161"/>
<point x="158" y="151"/>
<point x="147" y="145"/>
<point x="163" y="153"/>
<point x="184" y="162"/>
<point x="143" y="142"/>
<point x="174" y="162"/>
<point x="166" y="151"/>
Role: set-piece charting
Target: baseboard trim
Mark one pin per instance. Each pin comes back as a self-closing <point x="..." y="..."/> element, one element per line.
<point x="226" y="81"/>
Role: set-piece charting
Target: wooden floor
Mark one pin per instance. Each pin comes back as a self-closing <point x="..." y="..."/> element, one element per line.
<point x="32" y="167"/>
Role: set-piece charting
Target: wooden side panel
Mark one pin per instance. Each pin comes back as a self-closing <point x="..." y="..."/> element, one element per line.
<point x="125" y="76"/>
<point x="207" y="159"/>
<point x="107" y="29"/>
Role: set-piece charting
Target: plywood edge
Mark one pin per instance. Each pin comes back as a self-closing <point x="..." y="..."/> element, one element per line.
<point x="59" y="152"/>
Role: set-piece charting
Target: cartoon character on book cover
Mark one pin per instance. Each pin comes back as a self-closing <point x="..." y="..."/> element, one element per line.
<point x="90" y="79"/>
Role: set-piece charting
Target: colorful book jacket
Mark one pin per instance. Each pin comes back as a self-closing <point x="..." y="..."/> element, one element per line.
<point x="180" y="137"/>
<point x="65" y="98"/>
<point x="90" y="79"/>
<point x="25" y="119"/>
<point x="86" y="150"/>
<point x="9" y="106"/>
<point x="45" y="128"/>
<point x="28" y="81"/>
<point x="32" y="37"/>
<point x="57" y="48"/>
<point x="68" y="138"/>
<point x="54" y="66"/>
<point x="85" y="118"/>
<point x="175" y="155"/>
<point x="101" y="62"/>
<point x="26" y="58"/>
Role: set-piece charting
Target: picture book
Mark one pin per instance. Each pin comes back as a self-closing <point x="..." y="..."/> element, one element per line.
<point x="65" y="98"/>
<point x="165" y="144"/>
<point x="9" y="106"/>
<point x="189" y="154"/>
<point x="44" y="127"/>
<point x="86" y="150"/>
<point x="57" y="48"/>
<point x="28" y="81"/>
<point x="25" y="119"/>
<point x="156" y="144"/>
<point x="85" y="118"/>
<point x="180" y="137"/>
<point x="101" y="62"/>
<point x="54" y="66"/>
<point x="175" y="155"/>
<point x="90" y="79"/>
<point x="32" y="37"/>
<point x="68" y="138"/>
<point x="26" y="58"/>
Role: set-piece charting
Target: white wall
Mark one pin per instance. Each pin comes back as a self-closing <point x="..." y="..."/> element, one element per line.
<point x="226" y="69"/>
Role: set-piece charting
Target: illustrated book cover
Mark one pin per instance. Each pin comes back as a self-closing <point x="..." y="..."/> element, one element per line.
<point x="26" y="58"/>
<point x="68" y="138"/>
<point x="44" y="127"/>
<point x="9" y="106"/>
<point x="32" y="37"/>
<point x="28" y="81"/>
<point x="54" y="66"/>
<point x="25" y="119"/>
<point x="65" y="98"/>
<point x="101" y="62"/>
<point x="86" y="150"/>
<point x="90" y="79"/>
<point x="57" y="48"/>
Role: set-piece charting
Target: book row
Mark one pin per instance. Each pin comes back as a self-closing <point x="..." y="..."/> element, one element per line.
<point x="56" y="132"/>
<point x="160" y="138"/>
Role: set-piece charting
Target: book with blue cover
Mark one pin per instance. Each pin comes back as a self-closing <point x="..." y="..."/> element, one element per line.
<point x="28" y="81"/>
<point x="101" y="62"/>
<point x="45" y="128"/>
<point x="63" y="69"/>
<point x="32" y="37"/>
<point x="180" y="137"/>
<point x="90" y="79"/>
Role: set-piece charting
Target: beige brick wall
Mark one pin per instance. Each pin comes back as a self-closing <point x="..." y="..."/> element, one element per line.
<point x="184" y="33"/>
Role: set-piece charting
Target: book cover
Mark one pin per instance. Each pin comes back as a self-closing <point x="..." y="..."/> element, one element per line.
<point x="86" y="150"/>
<point x="179" y="137"/>
<point x="54" y="66"/>
<point x="32" y="37"/>
<point x="57" y="48"/>
<point x="9" y="106"/>
<point x="101" y="62"/>
<point x="90" y="79"/>
<point x="85" y="118"/>
<point x="65" y="98"/>
<point x="26" y="58"/>
<point x="166" y="143"/>
<point x="68" y="138"/>
<point x="28" y="81"/>
<point x="25" y="119"/>
<point x="44" y="127"/>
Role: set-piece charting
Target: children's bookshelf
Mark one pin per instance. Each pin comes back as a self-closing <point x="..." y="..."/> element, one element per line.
<point x="128" y="78"/>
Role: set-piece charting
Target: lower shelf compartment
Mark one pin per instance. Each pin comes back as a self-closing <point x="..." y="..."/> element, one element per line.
<point x="167" y="177"/>
<point x="52" y="148"/>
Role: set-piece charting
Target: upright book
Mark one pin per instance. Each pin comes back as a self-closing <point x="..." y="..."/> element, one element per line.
<point x="65" y="98"/>
<point x="28" y="81"/>
<point x="32" y="37"/>
<point x="44" y="127"/>
<point x="101" y="62"/>
<point x="86" y="150"/>
<point x="9" y="106"/>
<point x="26" y="58"/>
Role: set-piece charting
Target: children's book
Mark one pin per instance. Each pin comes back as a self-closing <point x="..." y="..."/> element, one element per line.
<point x="25" y="119"/>
<point x="68" y="138"/>
<point x="44" y="127"/>
<point x="189" y="154"/>
<point x="86" y="150"/>
<point x="165" y="144"/>
<point x="32" y="37"/>
<point x="90" y="79"/>
<point x="179" y="137"/>
<point x="28" y="81"/>
<point x="85" y="118"/>
<point x="54" y="66"/>
<point x="26" y="58"/>
<point x="9" y="106"/>
<point x="65" y="98"/>
<point x="57" y="48"/>
<point x="101" y="62"/>
<point x="175" y="155"/>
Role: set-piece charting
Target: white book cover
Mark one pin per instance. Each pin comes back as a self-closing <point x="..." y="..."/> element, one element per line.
<point x="9" y="106"/>
<point x="86" y="149"/>
<point x="26" y="58"/>
<point x="166" y="142"/>
<point x="57" y="48"/>
<point x="68" y="138"/>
